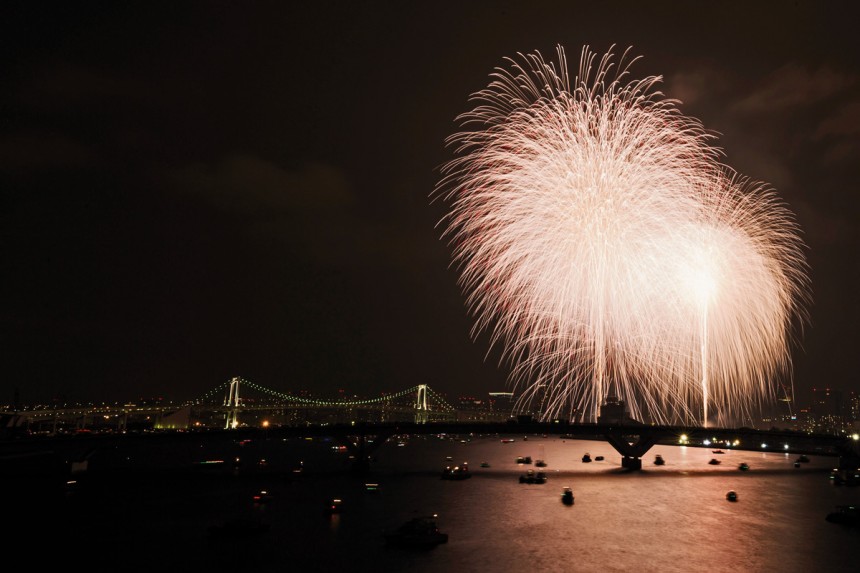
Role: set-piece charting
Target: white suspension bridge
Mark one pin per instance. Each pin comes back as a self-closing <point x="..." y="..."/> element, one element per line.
<point x="239" y="399"/>
<point x="421" y="401"/>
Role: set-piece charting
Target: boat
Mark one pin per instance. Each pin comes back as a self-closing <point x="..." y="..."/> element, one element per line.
<point x="598" y="458"/>
<point x="507" y="440"/>
<point x="238" y="528"/>
<point x="485" y="464"/>
<point x="659" y="461"/>
<point x="714" y="462"/>
<point x="797" y="464"/>
<point x="371" y="487"/>
<point x="732" y="496"/>
<point x="567" y="496"/>
<point x="586" y="458"/>
<point x="541" y="462"/>
<point x="803" y="459"/>
<point x="334" y="506"/>
<point x="845" y="477"/>
<point x="848" y="515"/>
<point x="717" y="452"/>
<point x="524" y="460"/>
<point x="417" y="533"/>
<point x="449" y="459"/>
<point x="263" y="496"/>
<point x="744" y="467"/>
<point x="456" y="472"/>
<point x="532" y="477"/>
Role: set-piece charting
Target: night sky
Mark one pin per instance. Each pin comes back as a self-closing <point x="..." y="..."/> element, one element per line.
<point x="194" y="191"/>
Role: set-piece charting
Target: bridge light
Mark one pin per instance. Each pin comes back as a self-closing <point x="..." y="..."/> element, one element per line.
<point x="855" y="437"/>
<point x="786" y="446"/>
<point x="683" y="439"/>
<point x="707" y="442"/>
<point x="763" y="445"/>
<point x="265" y="423"/>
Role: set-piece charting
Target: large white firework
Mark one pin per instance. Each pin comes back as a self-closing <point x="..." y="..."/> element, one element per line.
<point x="605" y="247"/>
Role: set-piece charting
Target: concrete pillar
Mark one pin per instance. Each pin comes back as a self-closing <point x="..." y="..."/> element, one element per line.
<point x="631" y="463"/>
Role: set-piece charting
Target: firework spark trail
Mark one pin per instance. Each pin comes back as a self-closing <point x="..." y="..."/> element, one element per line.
<point x="606" y="249"/>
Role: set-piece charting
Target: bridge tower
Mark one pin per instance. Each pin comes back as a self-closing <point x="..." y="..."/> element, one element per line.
<point x="232" y="403"/>
<point x="421" y="411"/>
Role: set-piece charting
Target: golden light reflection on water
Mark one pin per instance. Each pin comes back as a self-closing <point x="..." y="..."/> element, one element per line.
<point x="673" y="517"/>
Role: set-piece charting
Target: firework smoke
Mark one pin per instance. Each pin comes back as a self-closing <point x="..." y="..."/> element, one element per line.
<point x="605" y="247"/>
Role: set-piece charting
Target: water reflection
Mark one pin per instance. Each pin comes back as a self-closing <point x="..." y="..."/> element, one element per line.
<point x="674" y="517"/>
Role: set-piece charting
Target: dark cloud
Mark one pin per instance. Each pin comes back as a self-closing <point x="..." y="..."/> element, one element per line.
<point x="844" y="122"/>
<point x="35" y="150"/>
<point x="253" y="185"/>
<point x="699" y="83"/>
<point x="312" y="209"/>
<point x="838" y="134"/>
<point x="57" y="89"/>
<point x="794" y="86"/>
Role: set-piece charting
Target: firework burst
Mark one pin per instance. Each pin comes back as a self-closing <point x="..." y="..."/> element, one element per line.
<point x="604" y="246"/>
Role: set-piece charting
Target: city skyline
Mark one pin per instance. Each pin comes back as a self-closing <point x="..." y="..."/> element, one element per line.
<point x="198" y="192"/>
<point x="828" y="411"/>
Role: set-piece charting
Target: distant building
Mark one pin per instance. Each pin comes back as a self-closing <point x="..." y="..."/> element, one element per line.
<point x="853" y="406"/>
<point x="613" y="411"/>
<point x="805" y="420"/>
<point x="473" y="409"/>
<point x="828" y="411"/>
<point x="826" y="402"/>
<point x="471" y="403"/>
<point x="502" y="403"/>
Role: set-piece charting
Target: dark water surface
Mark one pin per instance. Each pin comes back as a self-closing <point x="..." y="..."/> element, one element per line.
<point x="155" y="514"/>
